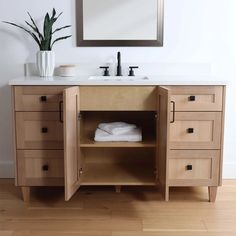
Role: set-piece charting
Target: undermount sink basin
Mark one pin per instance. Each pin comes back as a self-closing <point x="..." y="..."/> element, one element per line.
<point x="118" y="78"/>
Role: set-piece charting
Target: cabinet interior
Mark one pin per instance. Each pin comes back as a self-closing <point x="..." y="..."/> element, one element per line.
<point x="118" y="163"/>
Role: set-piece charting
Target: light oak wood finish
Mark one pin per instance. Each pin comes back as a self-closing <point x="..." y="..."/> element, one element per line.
<point x="14" y="133"/>
<point x="92" y="163"/>
<point x="102" y="212"/>
<point x="40" y="167"/>
<point x="117" y="174"/>
<point x="204" y="167"/>
<point x="25" y="193"/>
<point x="204" y="164"/>
<point x="206" y="130"/>
<point x="163" y="130"/>
<point x="30" y="134"/>
<point x="207" y="98"/>
<point x="118" y="98"/>
<point x="222" y="136"/>
<point x="71" y="141"/>
<point x="28" y="98"/>
<point x="212" y="193"/>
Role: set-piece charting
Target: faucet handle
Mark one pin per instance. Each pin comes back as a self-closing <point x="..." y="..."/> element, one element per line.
<point x="131" y="71"/>
<point x="106" y="70"/>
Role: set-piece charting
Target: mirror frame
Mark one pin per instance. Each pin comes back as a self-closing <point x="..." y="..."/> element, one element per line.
<point x="125" y="43"/>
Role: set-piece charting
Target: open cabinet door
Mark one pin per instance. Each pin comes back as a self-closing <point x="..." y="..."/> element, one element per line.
<point x="71" y="141"/>
<point x="163" y="139"/>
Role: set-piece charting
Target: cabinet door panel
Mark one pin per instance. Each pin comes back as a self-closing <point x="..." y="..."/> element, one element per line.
<point x="38" y="98"/>
<point x="72" y="161"/>
<point x="197" y="98"/>
<point x="163" y="137"/>
<point x="39" y="130"/>
<point x="196" y="130"/>
<point x="40" y="167"/>
<point x="194" y="168"/>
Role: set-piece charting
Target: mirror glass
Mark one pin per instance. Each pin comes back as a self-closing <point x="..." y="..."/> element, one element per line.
<point x="119" y="22"/>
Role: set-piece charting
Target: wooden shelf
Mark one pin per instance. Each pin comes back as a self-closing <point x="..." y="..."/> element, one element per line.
<point x="88" y="141"/>
<point x="117" y="174"/>
<point x="93" y="144"/>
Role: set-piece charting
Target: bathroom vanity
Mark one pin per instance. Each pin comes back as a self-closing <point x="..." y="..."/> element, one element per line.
<point x="55" y="120"/>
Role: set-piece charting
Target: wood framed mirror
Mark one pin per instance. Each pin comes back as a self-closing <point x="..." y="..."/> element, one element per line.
<point x="119" y="23"/>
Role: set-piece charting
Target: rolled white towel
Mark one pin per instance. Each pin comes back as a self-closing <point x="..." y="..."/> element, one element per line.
<point x="116" y="127"/>
<point x="134" y="135"/>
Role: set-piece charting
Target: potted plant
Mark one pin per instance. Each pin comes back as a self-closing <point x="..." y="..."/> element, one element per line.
<point x="45" y="56"/>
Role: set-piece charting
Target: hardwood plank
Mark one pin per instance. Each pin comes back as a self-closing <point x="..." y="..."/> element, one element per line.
<point x="136" y="211"/>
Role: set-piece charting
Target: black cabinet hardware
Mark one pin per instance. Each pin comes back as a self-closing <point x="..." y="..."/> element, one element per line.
<point x="192" y="98"/>
<point x="190" y="130"/>
<point x="173" y="119"/>
<point x="189" y="167"/>
<point x="45" y="167"/>
<point x="43" y="98"/>
<point x="44" y="130"/>
<point x="60" y="112"/>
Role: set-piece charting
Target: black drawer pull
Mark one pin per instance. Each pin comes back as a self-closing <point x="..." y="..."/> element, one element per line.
<point x="43" y="98"/>
<point x="44" y="130"/>
<point x="192" y="98"/>
<point x="189" y="167"/>
<point x="45" y="167"/>
<point x="190" y="130"/>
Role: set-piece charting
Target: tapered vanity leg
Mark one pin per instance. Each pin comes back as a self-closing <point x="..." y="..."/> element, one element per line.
<point x="212" y="191"/>
<point x="118" y="189"/>
<point x="25" y="193"/>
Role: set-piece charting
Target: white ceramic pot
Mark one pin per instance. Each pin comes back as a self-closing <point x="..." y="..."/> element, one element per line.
<point x="46" y="63"/>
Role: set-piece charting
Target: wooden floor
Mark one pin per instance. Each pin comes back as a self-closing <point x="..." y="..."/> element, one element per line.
<point x="99" y="211"/>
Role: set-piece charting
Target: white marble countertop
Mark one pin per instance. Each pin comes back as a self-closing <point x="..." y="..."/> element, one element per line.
<point x="152" y="80"/>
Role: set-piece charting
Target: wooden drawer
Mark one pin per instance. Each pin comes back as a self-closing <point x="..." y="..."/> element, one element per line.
<point x="39" y="130"/>
<point x="38" y="98"/>
<point x="118" y="98"/>
<point x="193" y="168"/>
<point x="197" y="98"/>
<point x="40" y="167"/>
<point x="196" y="130"/>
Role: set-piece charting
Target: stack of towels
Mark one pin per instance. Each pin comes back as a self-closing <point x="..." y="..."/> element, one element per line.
<point x="118" y="132"/>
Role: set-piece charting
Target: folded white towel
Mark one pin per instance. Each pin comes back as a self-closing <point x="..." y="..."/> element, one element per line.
<point x="116" y="127"/>
<point x="134" y="135"/>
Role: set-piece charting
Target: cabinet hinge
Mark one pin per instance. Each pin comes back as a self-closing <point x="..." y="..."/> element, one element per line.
<point x="157" y="116"/>
<point x="79" y="116"/>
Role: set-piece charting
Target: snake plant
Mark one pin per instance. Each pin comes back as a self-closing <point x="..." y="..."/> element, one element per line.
<point x="43" y="39"/>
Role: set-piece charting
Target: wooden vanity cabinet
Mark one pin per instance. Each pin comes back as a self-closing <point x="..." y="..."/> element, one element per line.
<point x="182" y="136"/>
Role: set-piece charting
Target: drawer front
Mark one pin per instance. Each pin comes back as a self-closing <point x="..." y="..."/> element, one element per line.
<point x="196" y="130"/>
<point x="40" y="167"/>
<point x="39" y="130"/>
<point x="38" y="98"/>
<point x="118" y="98"/>
<point x="193" y="168"/>
<point x="197" y="98"/>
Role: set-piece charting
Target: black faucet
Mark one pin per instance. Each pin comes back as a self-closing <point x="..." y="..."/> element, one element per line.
<point x="119" y="70"/>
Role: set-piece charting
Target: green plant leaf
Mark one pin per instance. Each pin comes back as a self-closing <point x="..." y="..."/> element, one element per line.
<point x="54" y="13"/>
<point x="35" y="26"/>
<point x="56" y="18"/>
<point x="59" y="39"/>
<point x="26" y="30"/>
<point x="47" y="32"/>
<point x="61" y="28"/>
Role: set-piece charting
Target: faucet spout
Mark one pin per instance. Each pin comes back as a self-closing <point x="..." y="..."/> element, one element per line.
<point x="119" y="69"/>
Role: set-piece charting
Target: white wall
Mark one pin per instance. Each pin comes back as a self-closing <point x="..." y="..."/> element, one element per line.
<point x="196" y="31"/>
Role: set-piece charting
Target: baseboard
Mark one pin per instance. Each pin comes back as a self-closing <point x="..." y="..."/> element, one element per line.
<point x="229" y="170"/>
<point x="6" y="169"/>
